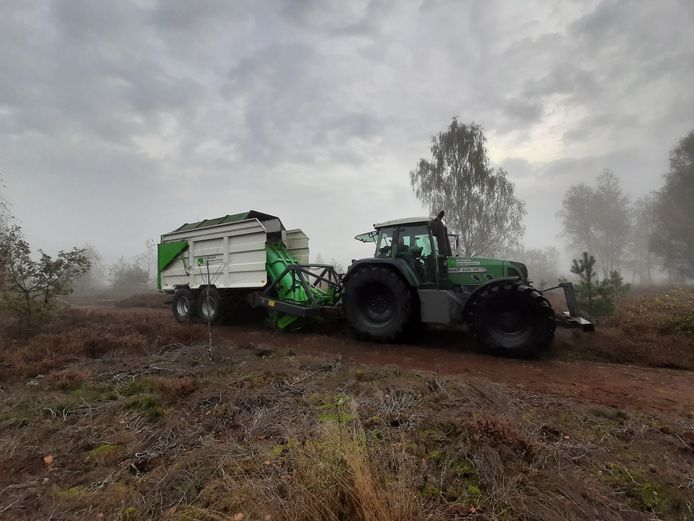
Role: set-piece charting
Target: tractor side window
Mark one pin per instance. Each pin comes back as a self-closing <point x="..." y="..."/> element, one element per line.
<point x="384" y="246"/>
<point x="414" y="239"/>
<point x="424" y="242"/>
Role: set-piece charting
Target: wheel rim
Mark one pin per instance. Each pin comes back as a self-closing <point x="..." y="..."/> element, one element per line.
<point x="377" y="304"/>
<point x="511" y="322"/>
<point x="183" y="306"/>
<point x="208" y="307"/>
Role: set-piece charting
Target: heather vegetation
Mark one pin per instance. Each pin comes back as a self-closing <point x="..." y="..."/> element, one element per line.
<point x="123" y="415"/>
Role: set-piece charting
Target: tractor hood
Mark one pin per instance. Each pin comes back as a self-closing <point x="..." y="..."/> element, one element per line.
<point x="473" y="271"/>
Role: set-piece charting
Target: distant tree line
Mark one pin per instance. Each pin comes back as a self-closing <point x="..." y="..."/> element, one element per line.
<point x="125" y="276"/>
<point x="672" y="237"/>
<point x="656" y="231"/>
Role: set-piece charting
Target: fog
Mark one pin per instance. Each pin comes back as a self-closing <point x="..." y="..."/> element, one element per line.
<point x="120" y="121"/>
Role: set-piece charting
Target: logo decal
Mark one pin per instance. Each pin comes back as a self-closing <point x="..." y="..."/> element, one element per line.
<point x="469" y="269"/>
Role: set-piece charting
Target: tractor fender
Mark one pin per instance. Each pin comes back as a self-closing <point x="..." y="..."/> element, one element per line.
<point x="483" y="287"/>
<point x="397" y="265"/>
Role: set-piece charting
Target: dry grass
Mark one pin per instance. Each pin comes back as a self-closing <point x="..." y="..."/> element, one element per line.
<point x="652" y="328"/>
<point x="75" y="334"/>
<point x="66" y="379"/>
<point x="140" y="424"/>
<point x="668" y="313"/>
<point x="174" y="436"/>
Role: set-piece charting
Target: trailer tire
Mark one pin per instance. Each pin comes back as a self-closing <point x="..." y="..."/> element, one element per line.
<point x="513" y="319"/>
<point x="184" y="306"/>
<point x="377" y="303"/>
<point x="209" y="305"/>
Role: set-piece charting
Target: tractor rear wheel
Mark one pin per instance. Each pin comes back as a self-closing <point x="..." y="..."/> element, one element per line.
<point x="209" y="305"/>
<point x="377" y="303"/>
<point x="512" y="318"/>
<point x="183" y="306"/>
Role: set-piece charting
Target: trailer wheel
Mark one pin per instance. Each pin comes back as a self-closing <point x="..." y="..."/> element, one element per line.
<point x="513" y="319"/>
<point x="183" y="306"/>
<point x="209" y="305"/>
<point x="377" y="303"/>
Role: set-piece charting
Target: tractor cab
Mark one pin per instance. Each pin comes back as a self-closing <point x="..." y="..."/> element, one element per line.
<point x="420" y="244"/>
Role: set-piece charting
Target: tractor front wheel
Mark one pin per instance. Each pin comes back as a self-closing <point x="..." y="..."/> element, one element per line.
<point x="377" y="303"/>
<point x="512" y="318"/>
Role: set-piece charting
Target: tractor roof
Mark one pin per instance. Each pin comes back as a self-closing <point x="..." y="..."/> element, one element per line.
<point x="227" y="219"/>
<point x="406" y="220"/>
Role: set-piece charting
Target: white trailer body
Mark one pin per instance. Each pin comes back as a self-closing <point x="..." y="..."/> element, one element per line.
<point x="228" y="252"/>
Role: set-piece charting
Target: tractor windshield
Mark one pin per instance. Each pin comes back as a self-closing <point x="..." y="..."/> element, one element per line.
<point x="384" y="245"/>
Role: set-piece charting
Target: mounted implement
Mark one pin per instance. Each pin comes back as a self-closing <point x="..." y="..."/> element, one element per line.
<point x="413" y="278"/>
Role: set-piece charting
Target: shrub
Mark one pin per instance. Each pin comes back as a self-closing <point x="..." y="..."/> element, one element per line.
<point x="29" y="287"/>
<point x="597" y="297"/>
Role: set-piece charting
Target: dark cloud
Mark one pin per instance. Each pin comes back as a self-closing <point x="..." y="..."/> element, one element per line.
<point x="120" y="120"/>
<point x="565" y="79"/>
<point x="523" y="110"/>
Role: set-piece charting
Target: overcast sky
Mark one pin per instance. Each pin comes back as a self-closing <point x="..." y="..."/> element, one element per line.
<point x="120" y="120"/>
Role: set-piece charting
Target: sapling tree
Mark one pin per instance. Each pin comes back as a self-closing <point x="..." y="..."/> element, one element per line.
<point x="583" y="267"/>
<point x="597" y="297"/>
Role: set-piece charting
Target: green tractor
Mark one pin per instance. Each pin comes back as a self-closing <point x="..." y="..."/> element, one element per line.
<point x="414" y="278"/>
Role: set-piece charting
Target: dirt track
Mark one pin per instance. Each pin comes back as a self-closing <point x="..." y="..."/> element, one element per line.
<point x="667" y="391"/>
<point x="670" y="392"/>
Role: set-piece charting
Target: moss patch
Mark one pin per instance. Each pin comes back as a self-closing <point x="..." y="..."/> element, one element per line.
<point x="148" y="404"/>
<point x="103" y="451"/>
<point x="641" y="490"/>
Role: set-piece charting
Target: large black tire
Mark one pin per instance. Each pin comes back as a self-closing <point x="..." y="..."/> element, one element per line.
<point x="209" y="306"/>
<point x="184" y="305"/>
<point x="378" y="304"/>
<point x="512" y="318"/>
